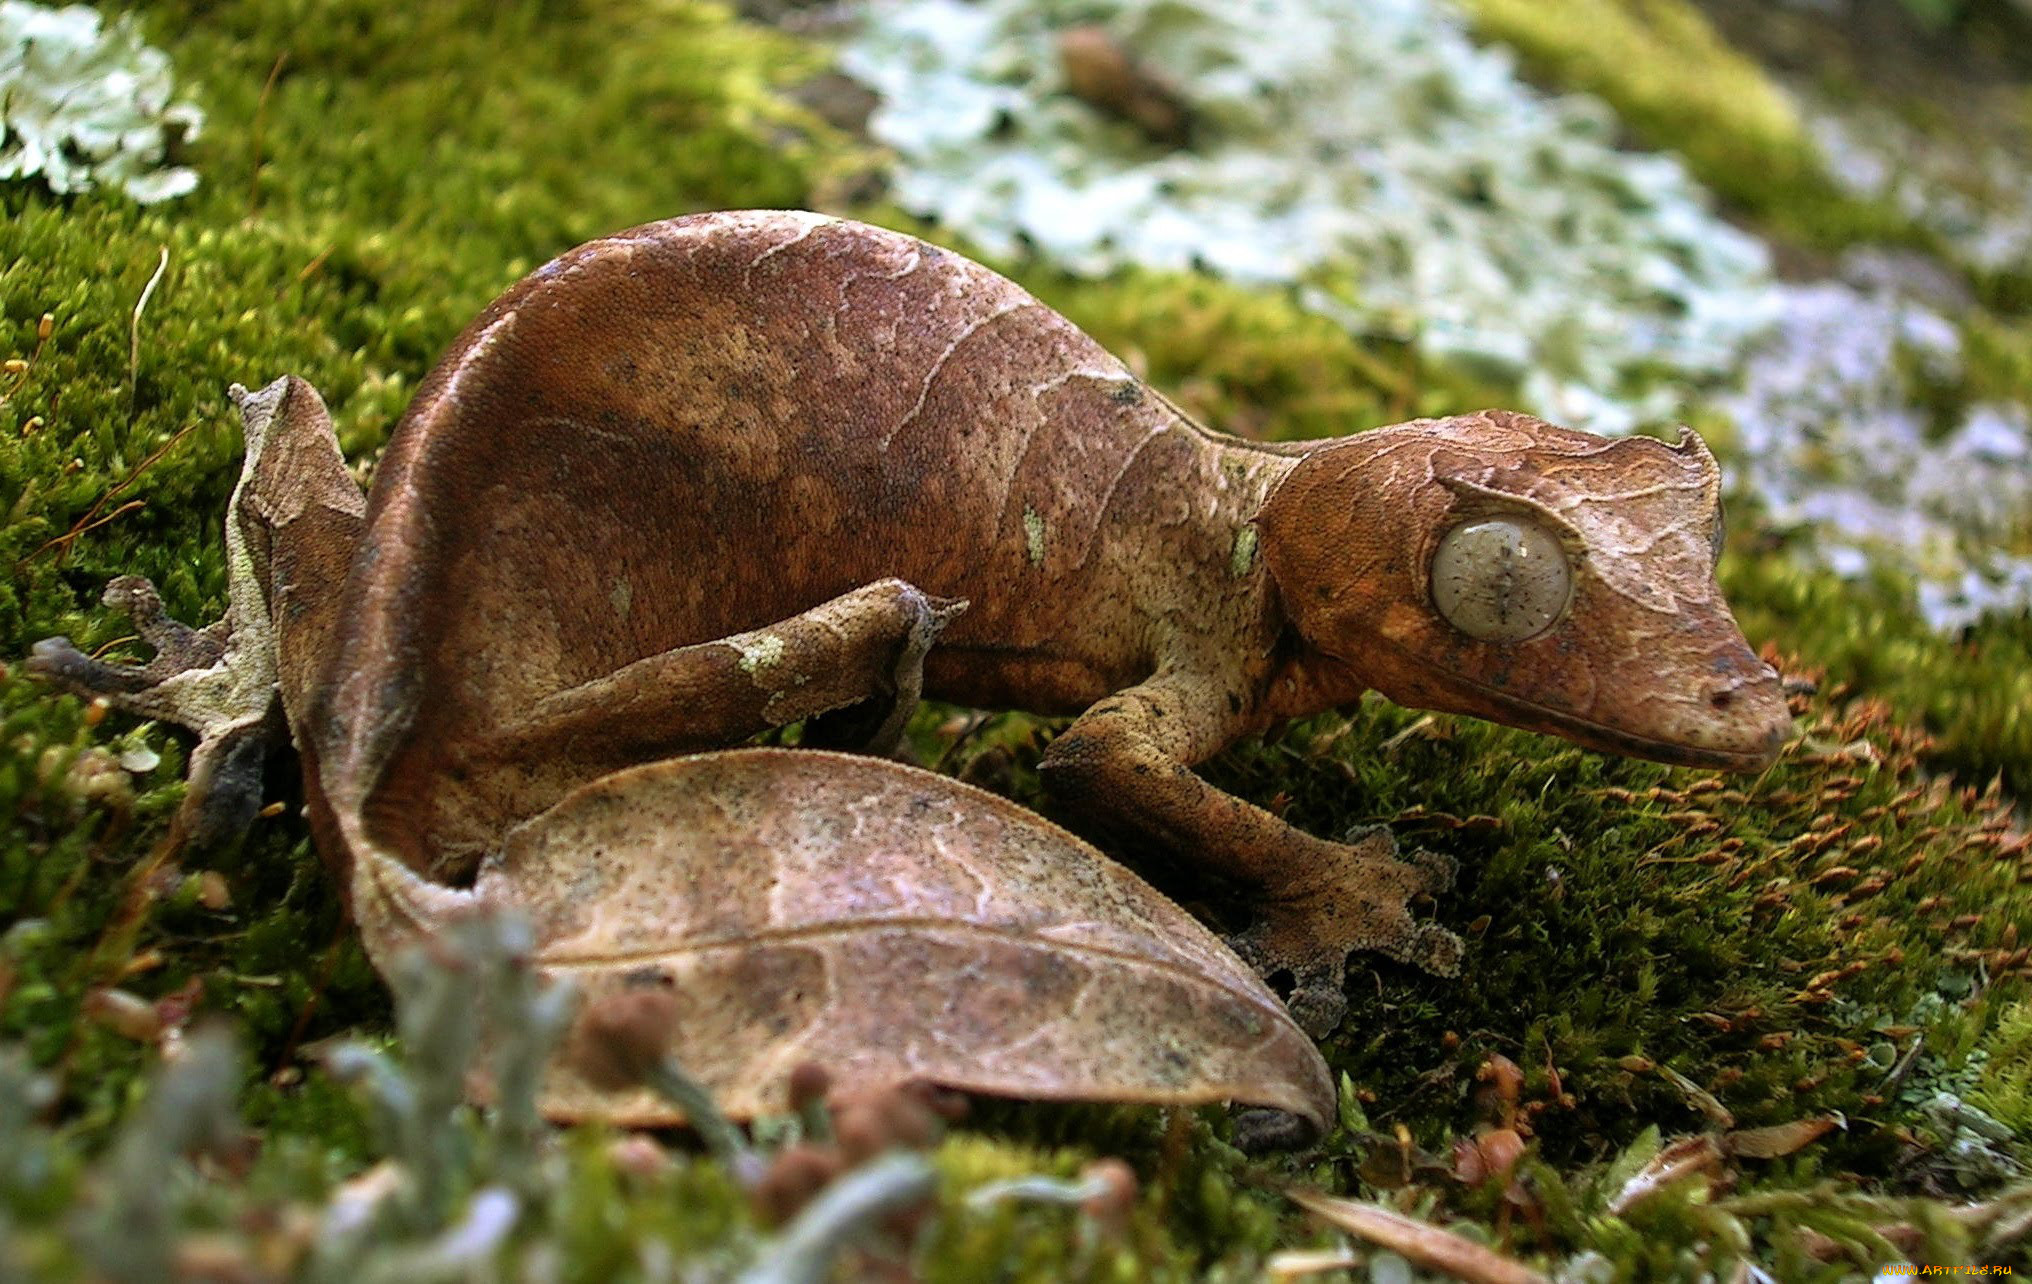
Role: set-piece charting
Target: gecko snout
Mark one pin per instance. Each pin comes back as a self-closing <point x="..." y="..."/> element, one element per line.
<point x="1750" y="718"/>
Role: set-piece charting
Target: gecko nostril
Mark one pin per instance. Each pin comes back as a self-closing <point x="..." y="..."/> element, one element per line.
<point x="1721" y="700"/>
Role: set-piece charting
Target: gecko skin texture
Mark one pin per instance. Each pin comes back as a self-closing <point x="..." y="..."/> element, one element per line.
<point x="724" y="472"/>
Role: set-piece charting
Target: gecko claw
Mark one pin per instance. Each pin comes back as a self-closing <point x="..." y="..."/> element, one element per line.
<point x="876" y="726"/>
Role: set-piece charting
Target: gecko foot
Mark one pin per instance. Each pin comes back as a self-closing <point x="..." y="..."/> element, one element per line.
<point x="1350" y="896"/>
<point x="191" y="682"/>
<point x="130" y="687"/>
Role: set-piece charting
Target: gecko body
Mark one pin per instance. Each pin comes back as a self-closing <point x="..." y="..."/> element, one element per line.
<point x="726" y="472"/>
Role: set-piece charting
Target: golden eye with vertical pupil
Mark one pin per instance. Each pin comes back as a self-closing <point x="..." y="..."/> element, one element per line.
<point x="1500" y="579"/>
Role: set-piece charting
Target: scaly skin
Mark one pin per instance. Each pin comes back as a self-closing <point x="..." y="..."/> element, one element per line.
<point x="730" y="471"/>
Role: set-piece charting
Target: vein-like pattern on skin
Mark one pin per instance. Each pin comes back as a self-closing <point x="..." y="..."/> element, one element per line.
<point x="933" y="442"/>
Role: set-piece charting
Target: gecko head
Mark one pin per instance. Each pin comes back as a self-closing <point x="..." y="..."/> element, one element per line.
<point x="1497" y="565"/>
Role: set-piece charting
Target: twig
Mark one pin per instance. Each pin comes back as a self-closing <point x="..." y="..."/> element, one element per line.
<point x="85" y="526"/>
<point x="261" y="120"/>
<point x="1418" y="1242"/>
<point x="86" y="522"/>
<point x="310" y="269"/>
<point x="1282" y="1268"/>
<point x="134" y="330"/>
<point x="99" y="652"/>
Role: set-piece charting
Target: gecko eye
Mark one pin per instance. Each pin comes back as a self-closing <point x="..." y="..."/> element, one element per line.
<point x="1500" y="579"/>
<point x="1719" y="533"/>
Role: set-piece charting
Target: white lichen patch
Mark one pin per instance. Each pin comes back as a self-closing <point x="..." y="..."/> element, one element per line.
<point x="1405" y="181"/>
<point x="757" y="650"/>
<point x="1835" y="440"/>
<point x="84" y="102"/>
<point x="1033" y="535"/>
<point x="1976" y="193"/>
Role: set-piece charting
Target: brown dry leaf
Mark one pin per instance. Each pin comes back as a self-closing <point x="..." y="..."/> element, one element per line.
<point x="1778" y="1140"/>
<point x="1417" y="1242"/>
<point x="1687" y="1157"/>
<point x="889" y="923"/>
<point x="1698" y="1097"/>
<point x="1101" y="72"/>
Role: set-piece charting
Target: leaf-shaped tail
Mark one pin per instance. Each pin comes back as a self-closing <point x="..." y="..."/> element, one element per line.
<point x="886" y="922"/>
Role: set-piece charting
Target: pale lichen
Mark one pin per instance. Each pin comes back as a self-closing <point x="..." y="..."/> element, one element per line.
<point x="759" y="651"/>
<point x="1835" y="438"/>
<point x="1405" y="180"/>
<point x="88" y="102"/>
<point x="1033" y="535"/>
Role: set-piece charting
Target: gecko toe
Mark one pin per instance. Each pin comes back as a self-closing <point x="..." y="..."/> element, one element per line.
<point x="1438" y="868"/>
<point x="178" y="647"/>
<point x="944" y="610"/>
<point x="57" y="660"/>
<point x="1432" y="949"/>
<point x="1318" y="1002"/>
<point x="1283" y="943"/>
<point x="133" y="596"/>
<point x="1374" y="842"/>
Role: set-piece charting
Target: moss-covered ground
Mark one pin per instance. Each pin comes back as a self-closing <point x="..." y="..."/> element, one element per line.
<point x="1662" y="952"/>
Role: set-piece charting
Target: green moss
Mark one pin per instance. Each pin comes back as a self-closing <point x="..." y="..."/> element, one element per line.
<point x="1996" y="359"/>
<point x="1681" y="87"/>
<point x="2004" y="1084"/>
<point x="1751" y="935"/>
<point x="405" y="165"/>
<point x="1972" y="694"/>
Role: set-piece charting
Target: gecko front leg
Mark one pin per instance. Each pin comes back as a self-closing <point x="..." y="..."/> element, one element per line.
<point x="196" y="682"/>
<point x="1126" y="763"/>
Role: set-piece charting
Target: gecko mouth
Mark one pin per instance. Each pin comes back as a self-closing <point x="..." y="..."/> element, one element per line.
<point x="1532" y="716"/>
